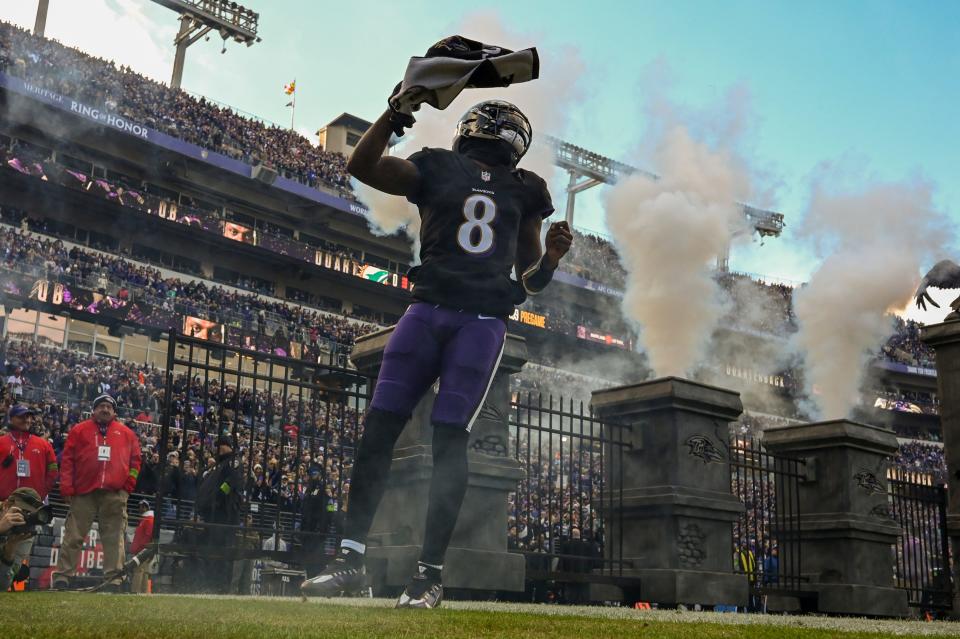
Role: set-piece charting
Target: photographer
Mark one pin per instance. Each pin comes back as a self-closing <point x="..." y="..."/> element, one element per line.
<point x="18" y="522"/>
<point x="26" y="462"/>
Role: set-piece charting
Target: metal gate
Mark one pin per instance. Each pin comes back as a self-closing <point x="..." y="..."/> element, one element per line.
<point x="918" y="504"/>
<point x="295" y="423"/>
<point x="767" y="537"/>
<point x="563" y="512"/>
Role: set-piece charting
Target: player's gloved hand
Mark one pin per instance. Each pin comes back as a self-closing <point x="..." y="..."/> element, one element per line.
<point x="558" y="242"/>
<point x="400" y="119"/>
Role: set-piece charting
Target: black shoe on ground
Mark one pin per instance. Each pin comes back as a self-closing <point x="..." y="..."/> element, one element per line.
<point x="344" y="575"/>
<point x="423" y="591"/>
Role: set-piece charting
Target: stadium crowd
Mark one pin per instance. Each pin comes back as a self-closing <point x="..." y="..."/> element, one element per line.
<point x="920" y="457"/>
<point x="26" y="252"/>
<point x="905" y="347"/>
<point x="101" y="83"/>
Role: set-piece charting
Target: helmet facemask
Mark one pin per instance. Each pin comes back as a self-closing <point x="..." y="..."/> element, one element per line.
<point x="496" y="120"/>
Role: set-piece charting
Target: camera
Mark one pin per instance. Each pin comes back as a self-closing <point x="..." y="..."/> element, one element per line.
<point x="40" y="517"/>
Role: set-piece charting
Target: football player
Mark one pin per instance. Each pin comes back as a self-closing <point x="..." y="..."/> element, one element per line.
<point x="480" y="220"/>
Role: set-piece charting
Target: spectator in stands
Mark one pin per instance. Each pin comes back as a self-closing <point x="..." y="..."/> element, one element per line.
<point x="50" y="65"/>
<point x="15" y="383"/>
<point x="101" y="462"/>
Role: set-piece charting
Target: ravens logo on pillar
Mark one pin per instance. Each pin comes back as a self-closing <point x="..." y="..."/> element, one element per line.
<point x="702" y="448"/>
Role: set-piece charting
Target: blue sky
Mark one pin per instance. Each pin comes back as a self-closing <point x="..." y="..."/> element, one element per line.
<point x="872" y="84"/>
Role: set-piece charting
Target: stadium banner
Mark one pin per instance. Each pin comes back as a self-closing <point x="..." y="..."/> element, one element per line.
<point x="576" y="280"/>
<point x="900" y="405"/>
<point x="286" y="246"/>
<point x="356" y="268"/>
<point x="144" y="132"/>
<point x="529" y="318"/>
<point x="897" y="367"/>
<point x="144" y="202"/>
<point x="203" y="329"/>
<point x="603" y="338"/>
<point x="89" y="301"/>
<point x="239" y="233"/>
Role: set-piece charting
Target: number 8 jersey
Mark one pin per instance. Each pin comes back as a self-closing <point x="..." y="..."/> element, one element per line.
<point x="469" y="224"/>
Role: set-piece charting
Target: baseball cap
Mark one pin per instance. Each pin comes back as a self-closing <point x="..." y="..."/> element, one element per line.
<point x="26" y="498"/>
<point x="21" y="409"/>
<point x="225" y="440"/>
<point x="104" y="398"/>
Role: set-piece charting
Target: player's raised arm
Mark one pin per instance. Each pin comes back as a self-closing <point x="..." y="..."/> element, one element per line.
<point x="383" y="172"/>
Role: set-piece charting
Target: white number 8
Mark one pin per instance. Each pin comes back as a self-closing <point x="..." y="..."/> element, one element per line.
<point x="479" y="211"/>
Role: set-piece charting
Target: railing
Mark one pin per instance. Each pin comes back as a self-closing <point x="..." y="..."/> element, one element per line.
<point x="562" y="513"/>
<point x="922" y="562"/>
<point x="767" y="537"/>
<point x="307" y="417"/>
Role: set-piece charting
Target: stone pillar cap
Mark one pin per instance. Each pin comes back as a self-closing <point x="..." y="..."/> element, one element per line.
<point x="837" y="433"/>
<point x="668" y="393"/>
<point x="938" y="334"/>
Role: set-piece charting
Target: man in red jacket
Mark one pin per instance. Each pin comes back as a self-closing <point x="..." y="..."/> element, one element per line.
<point x="26" y="461"/>
<point x="141" y="538"/>
<point x="99" y="469"/>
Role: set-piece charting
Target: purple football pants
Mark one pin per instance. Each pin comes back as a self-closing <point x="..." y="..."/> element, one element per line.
<point x="463" y="349"/>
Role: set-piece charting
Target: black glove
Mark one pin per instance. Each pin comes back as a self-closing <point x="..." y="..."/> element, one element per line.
<point x="398" y="121"/>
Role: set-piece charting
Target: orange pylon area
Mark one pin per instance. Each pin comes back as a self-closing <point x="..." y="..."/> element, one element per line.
<point x="642" y="605"/>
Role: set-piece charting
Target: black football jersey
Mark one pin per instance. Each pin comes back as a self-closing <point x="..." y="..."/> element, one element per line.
<point x="469" y="225"/>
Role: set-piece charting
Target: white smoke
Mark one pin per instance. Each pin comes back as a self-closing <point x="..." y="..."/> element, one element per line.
<point x="669" y="233"/>
<point x="875" y="241"/>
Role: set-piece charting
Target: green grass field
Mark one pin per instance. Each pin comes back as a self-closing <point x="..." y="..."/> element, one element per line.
<point x="66" y="615"/>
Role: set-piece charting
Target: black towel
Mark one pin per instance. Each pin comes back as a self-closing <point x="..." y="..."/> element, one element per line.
<point x="457" y="63"/>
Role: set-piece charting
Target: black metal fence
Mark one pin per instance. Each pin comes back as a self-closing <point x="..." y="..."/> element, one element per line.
<point x="766" y="538"/>
<point x="564" y="512"/>
<point x="918" y="504"/>
<point x="296" y="425"/>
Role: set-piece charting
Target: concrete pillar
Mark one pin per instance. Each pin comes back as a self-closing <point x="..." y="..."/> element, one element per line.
<point x="846" y="549"/>
<point x="678" y="509"/>
<point x="945" y="340"/>
<point x="477" y="558"/>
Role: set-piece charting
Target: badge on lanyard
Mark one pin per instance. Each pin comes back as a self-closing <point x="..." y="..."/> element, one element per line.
<point x="103" y="453"/>
<point x="23" y="468"/>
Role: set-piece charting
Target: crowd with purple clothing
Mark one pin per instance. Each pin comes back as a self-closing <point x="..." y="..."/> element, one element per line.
<point x="921" y="457"/>
<point x="50" y="258"/>
<point x="101" y="83"/>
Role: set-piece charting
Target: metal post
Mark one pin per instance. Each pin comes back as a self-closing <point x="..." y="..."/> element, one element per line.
<point x="571" y="198"/>
<point x="182" y="42"/>
<point x="40" y="26"/>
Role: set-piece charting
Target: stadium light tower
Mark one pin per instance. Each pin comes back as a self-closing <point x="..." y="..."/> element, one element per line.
<point x="40" y="25"/>
<point x="588" y="169"/>
<point x="200" y="17"/>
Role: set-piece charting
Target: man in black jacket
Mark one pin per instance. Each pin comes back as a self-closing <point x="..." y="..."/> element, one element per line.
<point x="219" y="498"/>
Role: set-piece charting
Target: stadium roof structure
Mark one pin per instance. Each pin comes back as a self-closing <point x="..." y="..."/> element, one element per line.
<point x="351" y="121"/>
<point x="588" y="169"/>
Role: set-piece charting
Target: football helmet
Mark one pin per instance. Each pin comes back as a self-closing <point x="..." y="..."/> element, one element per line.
<point x="496" y="120"/>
